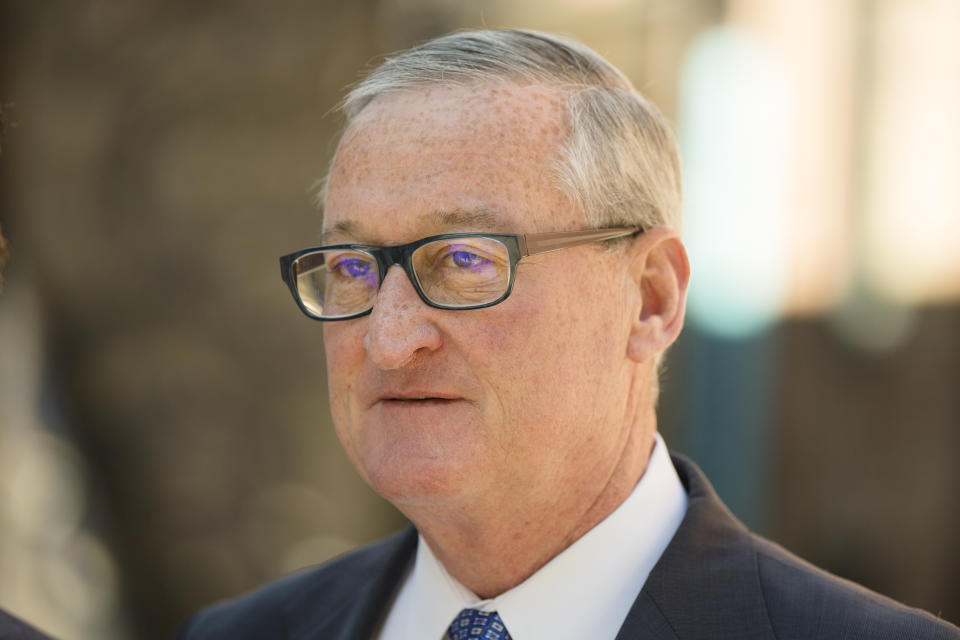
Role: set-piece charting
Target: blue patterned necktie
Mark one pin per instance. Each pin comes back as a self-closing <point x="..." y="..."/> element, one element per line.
<point x="478" y="625"/>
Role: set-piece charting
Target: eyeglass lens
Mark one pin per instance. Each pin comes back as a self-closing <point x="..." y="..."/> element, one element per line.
<point x="453" y="272"/>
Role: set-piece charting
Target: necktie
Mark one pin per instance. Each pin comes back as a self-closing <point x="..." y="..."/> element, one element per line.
<point x="478" y="625"/>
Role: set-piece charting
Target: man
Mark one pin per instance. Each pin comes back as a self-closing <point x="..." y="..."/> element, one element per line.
<point x="501" y="272"/>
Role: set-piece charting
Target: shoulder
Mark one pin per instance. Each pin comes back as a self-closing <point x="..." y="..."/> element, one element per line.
<point x="744" y="586"/>
<point x="804" y="601"/>
<point x="343" y="587"/>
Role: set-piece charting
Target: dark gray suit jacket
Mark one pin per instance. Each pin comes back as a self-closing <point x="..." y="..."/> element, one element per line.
<point x="12" y="628"/>
<point x="715" y="580"/>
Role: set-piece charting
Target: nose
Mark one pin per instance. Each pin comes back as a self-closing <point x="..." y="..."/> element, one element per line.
<point x="399" y="329"/>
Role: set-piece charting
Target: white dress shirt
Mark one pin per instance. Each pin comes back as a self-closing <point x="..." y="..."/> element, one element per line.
<point x="585" y="592"/>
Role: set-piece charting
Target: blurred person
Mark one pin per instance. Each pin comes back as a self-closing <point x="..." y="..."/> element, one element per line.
<point x="12" y="628"/>
<point x="501" y="274"/>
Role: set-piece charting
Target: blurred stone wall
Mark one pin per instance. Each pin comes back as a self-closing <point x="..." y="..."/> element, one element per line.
<point x="160" y="164"/>
<point x="865" y="461"/>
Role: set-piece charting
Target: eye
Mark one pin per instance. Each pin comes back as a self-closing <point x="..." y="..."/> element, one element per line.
<point x="351" y="267"/>
<point x="463" y="257"/>
<point x="468" y="259"/>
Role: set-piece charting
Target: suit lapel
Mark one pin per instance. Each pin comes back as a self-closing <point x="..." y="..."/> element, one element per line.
<point x="354" y="613"/>
<point x="645" y="620"/>
<point x="705" y="585"/>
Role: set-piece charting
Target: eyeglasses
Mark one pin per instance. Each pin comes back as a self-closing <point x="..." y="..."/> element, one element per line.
<point x="448" y="271"/>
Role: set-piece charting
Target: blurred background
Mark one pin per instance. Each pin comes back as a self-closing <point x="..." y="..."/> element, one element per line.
<point x="164" y="432"/>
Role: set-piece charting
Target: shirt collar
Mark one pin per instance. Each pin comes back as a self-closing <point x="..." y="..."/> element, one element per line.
<point x="593" y="582"/>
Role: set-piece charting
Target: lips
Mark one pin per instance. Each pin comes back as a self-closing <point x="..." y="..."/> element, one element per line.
<point x="419" y="407"/>
<point x="414" y="397"/>
<point x="416" y="403"/>
<point x="424" y="397"/>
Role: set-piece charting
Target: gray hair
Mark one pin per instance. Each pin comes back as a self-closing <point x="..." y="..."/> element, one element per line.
<point x="619" y="162"/>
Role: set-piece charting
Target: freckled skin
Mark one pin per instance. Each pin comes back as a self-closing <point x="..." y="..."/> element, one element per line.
<point x="555" y="423"/>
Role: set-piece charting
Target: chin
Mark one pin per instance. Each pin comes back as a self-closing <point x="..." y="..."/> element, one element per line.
<point x="411" y="480"/>
<point x="405" y="462"/>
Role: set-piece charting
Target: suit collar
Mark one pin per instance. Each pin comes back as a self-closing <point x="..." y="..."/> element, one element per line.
<point x="353" y="613"/>
<point x="707" y="577"/>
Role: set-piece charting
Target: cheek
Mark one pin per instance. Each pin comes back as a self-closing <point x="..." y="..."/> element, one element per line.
<point x="343" y="341"/>
<point x="520" y="351"/>
<point x="343" y="345"/>
<point x="558" y="339"/>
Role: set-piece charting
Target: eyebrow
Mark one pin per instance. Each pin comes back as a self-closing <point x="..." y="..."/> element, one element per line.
<point x="344" y="228"/>
<point x="481" y="218"/>
<point x="440" y="221"/>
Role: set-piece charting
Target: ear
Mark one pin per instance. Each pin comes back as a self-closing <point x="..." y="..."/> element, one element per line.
<point x="661" y="273"/>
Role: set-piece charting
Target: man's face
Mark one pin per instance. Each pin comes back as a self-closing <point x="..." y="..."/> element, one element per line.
<point x="526" y="398"/>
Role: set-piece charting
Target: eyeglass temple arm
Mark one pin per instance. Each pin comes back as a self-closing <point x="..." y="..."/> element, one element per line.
<point x="534" y="243"/>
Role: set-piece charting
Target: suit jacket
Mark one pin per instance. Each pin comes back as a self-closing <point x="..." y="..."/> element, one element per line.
<point x="715" y="580"/>
<point x="12" y="628"/>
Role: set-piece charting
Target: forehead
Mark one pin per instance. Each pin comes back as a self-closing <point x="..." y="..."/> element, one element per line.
<point x="416" y="161"/>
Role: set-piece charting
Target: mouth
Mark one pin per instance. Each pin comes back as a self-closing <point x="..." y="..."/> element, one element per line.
<point x="415" y="400"/>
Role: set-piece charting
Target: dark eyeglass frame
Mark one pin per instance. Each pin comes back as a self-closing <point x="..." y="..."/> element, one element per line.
<point x="518" y="247"/>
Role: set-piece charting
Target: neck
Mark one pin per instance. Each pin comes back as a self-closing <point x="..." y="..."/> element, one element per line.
<point x="516" y="537"/>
